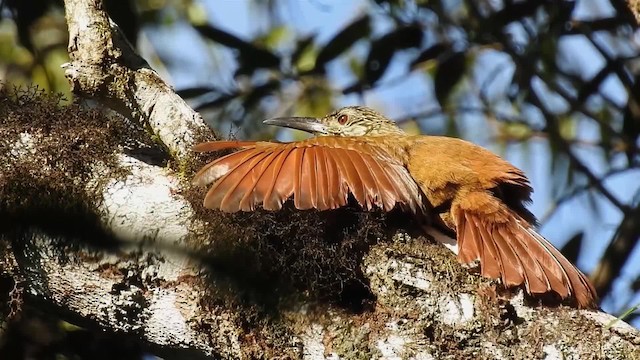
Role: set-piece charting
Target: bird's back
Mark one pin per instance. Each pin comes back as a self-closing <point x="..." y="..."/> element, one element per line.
<point x="445" y="166"/>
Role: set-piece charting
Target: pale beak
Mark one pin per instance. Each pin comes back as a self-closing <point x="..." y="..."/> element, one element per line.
<point x="309" y="124"/>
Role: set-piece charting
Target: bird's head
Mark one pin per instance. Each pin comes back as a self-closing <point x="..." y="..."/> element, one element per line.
<point x="348" y="121"/>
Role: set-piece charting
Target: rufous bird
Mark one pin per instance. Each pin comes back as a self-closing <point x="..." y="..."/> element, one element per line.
<point x="439" y="179"/>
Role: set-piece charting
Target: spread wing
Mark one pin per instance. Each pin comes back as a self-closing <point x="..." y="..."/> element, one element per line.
<point x="318" y="173"/>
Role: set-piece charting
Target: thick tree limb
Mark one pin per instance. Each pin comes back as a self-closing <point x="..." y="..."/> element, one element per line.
<point x="103" y="66"/>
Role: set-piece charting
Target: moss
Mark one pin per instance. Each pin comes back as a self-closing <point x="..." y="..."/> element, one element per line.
<point x="52" y="147"/>
<point x="351" y="341"/>
<point x="292" y="255"/>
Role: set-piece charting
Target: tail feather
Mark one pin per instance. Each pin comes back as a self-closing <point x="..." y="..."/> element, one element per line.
<point x="508" y="248"/>
<point x="536" y="277"/>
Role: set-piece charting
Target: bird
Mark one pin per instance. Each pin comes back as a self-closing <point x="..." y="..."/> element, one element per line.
<point x="444" y="181"/>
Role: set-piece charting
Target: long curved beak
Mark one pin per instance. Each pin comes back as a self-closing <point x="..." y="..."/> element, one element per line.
<point x="308" y="124"/>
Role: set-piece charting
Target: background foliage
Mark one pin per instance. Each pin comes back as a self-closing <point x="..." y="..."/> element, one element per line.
<point x="557" y="80"/>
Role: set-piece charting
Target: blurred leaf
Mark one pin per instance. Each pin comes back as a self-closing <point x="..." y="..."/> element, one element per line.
<point x="274" y="37"/>
<point x="452" y="126"/>
<point x="251" y="56"/>
<point x="302" y="58"/>
<point x="124" y="14"/>
<point x="316" y="97"/>
<point x="512" y="11"/>
<point x="301" y="45"/>
<point x="196" y="13"/>
<point x="67" y="326"/>
<point x="390" y="2"/>
<point x="357" y="69"/>
<point x="356" y="66"/>
<point x="515" y="131"/>
<point x="411" y="127"/>
<point x="259" y="93"/>
<point x="635" y="285"/>
<point x="221" y="100"/>
<point x="382" y="50"/>
<point x="567" y="127"/>
<point x="448" y="74"/>
<point x="26" y="12"/>
<point x="430" y="53"/>
<point x="343" y="40"/>
<point x="406" y="37"/>
<point x="378" y="60"/>
<point x="631" y="123"/>
<point x="223" y="37"/>
<point x="196" y="91"/>
<point x="610" y="24"/>
<point x="560" y="12"/>
<point x="571" y="250"/>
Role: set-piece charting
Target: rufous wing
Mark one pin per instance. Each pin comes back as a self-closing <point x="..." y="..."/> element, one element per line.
<point x="508" y="248"/>
<point x="318" y="173"/>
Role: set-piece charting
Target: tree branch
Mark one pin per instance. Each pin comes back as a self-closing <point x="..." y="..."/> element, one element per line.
<point x="104" y="66"/>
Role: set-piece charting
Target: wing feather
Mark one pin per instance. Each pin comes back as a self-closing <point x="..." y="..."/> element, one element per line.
<point x="234" y="176"/>
<point x="309" y="177"/>
<point x="256" y="192"/>
<point x="319" y="173"/>
<point x="322" y="180"/>
<point x="369" y="185"/>
<point x="349" y="174"/>
<point x="281" y="186"/>
<point x="300" y="198"/>
<point x="387" y="192"/>
<point x="337" y="191"/>
<point x="236" y="185"/>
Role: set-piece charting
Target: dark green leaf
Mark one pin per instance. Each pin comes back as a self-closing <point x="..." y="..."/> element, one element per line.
<point x="301" y="46"/>
<point x="344" y="39"/>
<point x="219" y="101"/>
<point x="259" y="93"/>
<point x="26" y="12"/>
<point x="571" y="250"/>
<point x="406" y="37"/>
<point x="355" y="87"/>
<point x="431" y="53"/>
<point x="635" y="285"/>
<point x="512" y="11"/>
<point x="125" y="15"/>
<point x="196" y="91"/>
<point x="577" y="27"/>
<point x="378" y="60"/>
<point x="251" y="56"/>
<point x="631" y="123"/>
<point x="222" y="37"/>
<point x="448" y="74"/>
<point x="382" y="51"/>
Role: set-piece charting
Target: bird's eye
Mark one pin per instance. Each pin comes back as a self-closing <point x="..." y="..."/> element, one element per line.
<point x="342" y="119"/>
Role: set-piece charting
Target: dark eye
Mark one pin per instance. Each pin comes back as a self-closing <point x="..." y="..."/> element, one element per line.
<point x="342" y="119"/>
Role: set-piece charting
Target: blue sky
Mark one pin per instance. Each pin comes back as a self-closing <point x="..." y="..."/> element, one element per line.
<point x="181" y="50"/>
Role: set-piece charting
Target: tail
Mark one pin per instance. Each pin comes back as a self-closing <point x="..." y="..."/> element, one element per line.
<point x="508" y="248"/>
